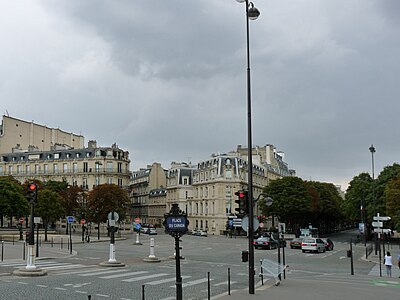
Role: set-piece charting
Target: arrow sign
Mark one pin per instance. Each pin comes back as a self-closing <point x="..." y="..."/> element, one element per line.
<point x="378" y="218"/>
<point x="380" y="230"/>
<point x="377" y="224"/>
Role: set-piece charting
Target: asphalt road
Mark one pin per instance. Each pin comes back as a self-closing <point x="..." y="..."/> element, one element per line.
<point x="80" y="276"/>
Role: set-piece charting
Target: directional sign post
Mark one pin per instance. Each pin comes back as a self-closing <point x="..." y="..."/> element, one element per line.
<point x="378" y="224"/>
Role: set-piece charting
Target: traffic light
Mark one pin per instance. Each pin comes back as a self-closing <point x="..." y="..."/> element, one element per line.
<point x="242" y="201"/>
<point x="32" y="192"/>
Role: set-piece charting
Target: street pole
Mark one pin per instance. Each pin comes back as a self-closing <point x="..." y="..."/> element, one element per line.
<point x="251" y="13"/>
<point x="372" y="150"/>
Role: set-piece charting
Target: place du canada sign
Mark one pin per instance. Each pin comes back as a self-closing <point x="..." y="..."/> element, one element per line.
<point x="176" y="224"/>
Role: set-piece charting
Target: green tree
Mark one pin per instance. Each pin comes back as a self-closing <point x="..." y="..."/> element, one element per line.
<point x="388" y="173"/>
<point x="359" y="192"/>
<point x="392" y="193"/>
<point x="105" y="198"/>
<point x="13" y="202"/>
<point x="291" y="201"/>
<point x="49" y="207"/>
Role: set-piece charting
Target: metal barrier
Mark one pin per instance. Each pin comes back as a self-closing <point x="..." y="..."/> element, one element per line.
<point x="272" y="269"/>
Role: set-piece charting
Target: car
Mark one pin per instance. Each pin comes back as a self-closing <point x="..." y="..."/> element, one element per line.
<point x="201" y="233"/>
<point x="265" y="243"/>
<point x="152" y="231"/>
<point x="328" y="244"/>
<point x="312" y="245"/>
<point x="296" y="243"/>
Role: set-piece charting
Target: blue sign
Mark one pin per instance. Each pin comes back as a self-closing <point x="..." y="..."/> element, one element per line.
<point x="137" y="226"/>
<point x="70" y="219"/>
<point x="176" y="224"/>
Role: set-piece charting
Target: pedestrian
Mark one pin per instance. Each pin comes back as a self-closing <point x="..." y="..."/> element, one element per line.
<point x="398" y="261"/>
<point x="388" y="263"/>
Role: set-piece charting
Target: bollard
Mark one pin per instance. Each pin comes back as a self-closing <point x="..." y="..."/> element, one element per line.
<point x="261" y="274"/>
<point x="2" y="250"/>
<point x="229" y="281"/>
<point x="143" y="292"/>
<point x="89" y="297"/>
<point x="61" y="243"/>
<point x="23" y="251"/>
<point x="208" y="286"/>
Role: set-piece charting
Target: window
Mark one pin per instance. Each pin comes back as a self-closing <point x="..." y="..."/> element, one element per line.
<point x="74" y="167"/>
<point x="19" y="169"/>
<point x="56" y="155"/>
<point x="27" y="169"/>
<point x="37" y="169"/>
<point x="85" y="167"/>
<point x="46" y="168"/>
<point x="77" y="155"/>
<point x="109" y="166"/>
<point x="185" y="181"/>
<point x="55" y="168"/>
<point x="119" y="167"/>
<point x="65" y="168"/>
<point x="97" y="180"/>
<point x="1" y="170"/>
<point x="109" y="180"/>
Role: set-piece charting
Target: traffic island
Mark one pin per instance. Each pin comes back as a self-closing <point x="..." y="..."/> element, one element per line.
<point x="112" y="264"/>
<point x="30" y="272"/>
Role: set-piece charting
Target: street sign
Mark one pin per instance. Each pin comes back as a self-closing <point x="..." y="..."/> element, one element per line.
<point x="83" y="221"/>
<point x="110" y="216"/>
<point x="137" y="226"/>
<point x="245" y="223"/>
<point x="176" y="223"/>
<point x="382" y="230"/>
<point x="237" y="222"/>
<point x="377" y="224"/>
<point x="70" y="219"/>
<point x="21" y="220"/>
<point x="37" y="220"/>
<point x="378" y="218"/>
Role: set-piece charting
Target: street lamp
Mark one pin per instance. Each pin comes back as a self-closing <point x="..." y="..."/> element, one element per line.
<point x="252" y="13"/>
<point x="372" y="150"/>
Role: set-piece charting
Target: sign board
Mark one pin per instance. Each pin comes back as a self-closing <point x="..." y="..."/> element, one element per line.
<point x="83" y="221"/>
<point x="176" y="224"/>
<point x="137" y="220"/>
<point x="70" y="219"/>
<point x="37" y="220"/>
<point x="237" y="222"/>
<point x="382" y="230"/>
<point x="138" y="226"/>
<point x="110" y="216"/>
<point x="379" y="218"/>
<point x="111" y="223"/>
<point x="281" y="228"/>
<point x="361" y="227"/>
<point x="245" y="223"/>
<point x="377" y="224"/>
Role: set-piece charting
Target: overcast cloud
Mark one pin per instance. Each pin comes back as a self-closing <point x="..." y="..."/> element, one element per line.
<point x="166" y="80"/>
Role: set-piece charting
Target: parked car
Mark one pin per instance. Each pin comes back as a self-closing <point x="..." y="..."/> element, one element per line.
<point x="296" y="243"/>
<point x="265" y="243"/>
<point x="313" y="245"/>
<point x="328" y="244"/>
<point x="201" y="233"/>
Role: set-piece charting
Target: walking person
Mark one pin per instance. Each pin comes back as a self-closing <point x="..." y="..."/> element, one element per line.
<point x="398" y="261"/>
<point x="388" y="264"/>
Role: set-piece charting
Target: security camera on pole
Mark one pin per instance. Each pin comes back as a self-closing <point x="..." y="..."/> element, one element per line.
<point x="112" y="262"/>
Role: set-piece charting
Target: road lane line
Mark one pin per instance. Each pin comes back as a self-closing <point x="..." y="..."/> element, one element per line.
<point x="123" y="274"/>
<point x="145" y="277"/>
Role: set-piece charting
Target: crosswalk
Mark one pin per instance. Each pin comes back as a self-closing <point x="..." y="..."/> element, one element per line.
<point x="145" y="277"/>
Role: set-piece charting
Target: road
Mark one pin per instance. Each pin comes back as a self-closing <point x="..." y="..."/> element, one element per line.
<point x="80" y="276"/>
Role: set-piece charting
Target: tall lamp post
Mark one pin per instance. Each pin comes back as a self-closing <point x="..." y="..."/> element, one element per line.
<point x="252" y="13"/>
<point x="372" y="150"/>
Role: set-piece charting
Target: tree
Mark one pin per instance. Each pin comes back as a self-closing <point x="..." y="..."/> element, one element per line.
<point x="49" y="207"/>
<point x="105" y="198"/>
<point x="13" y="202"/>
<point x="359" y="193"/>
<point x="392" y="193"/>
<point x="291" y="201"/>
<point x="389" y="173"/>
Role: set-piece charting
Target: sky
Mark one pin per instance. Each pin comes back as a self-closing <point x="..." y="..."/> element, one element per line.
<point x="166" y="80"/>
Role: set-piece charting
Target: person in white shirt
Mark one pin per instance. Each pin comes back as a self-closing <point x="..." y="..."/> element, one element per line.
<point x="388" y="264"/>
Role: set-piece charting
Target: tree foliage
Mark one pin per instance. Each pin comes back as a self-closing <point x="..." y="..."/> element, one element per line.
<point x="105" y="198"/>
<point x="298" y="203"/>
<point x="13" y="202"/>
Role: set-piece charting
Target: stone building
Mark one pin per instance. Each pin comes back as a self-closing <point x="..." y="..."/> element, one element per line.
<point x="143" y="182"/>
<point x="179" y="185"/>
<point x="215" y="181"/>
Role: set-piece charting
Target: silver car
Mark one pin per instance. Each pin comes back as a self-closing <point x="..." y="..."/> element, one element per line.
<point x="312" y="245"/>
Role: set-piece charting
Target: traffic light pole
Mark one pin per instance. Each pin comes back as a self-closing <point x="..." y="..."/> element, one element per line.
<point x="30" y="262"/>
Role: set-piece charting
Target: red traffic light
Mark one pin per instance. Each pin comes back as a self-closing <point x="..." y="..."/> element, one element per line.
<point x="32" y="187"/>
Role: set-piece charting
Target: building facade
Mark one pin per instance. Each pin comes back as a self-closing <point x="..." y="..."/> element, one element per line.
<point x="84" y="167"/>
<point x="18" y="135"/>
<point x="143" y="182"/>
<point x="215" y="181"/>
<point x="179" y="185"/>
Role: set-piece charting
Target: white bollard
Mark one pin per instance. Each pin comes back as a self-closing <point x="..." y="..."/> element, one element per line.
<point x="30" y="262"/>
<point x="152" y="257"/>
<point x="112" y="254"/>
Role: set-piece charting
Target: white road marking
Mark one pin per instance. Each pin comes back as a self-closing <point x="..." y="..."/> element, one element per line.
<point x="145" y="277"/>
<point x="123" y="275"/>
<point x="165" y="281"/>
